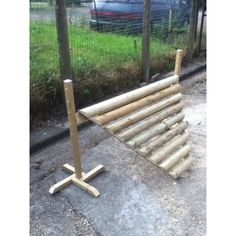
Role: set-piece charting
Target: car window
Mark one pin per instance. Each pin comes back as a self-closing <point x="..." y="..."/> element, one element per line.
<point x="117" y="0"/>
<point x="136" y="1"/>
<point x="153" y="1"/>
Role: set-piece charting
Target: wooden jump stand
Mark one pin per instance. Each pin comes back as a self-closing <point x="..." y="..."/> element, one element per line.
<point x="77" y="176"/>
<point x="178" y="61"/>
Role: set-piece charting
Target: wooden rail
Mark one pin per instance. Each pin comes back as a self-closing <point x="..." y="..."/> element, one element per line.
<point x="149" y="120"/>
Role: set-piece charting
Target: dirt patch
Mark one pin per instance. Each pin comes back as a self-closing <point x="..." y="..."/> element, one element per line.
<point x="44" y="105"/>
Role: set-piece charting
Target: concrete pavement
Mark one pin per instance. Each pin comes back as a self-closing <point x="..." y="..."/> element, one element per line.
<point x="136" y="197"/>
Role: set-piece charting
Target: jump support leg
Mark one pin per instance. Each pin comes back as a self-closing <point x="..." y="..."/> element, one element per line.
<point x="81" y="182"/>
<point x="77" y="176"/>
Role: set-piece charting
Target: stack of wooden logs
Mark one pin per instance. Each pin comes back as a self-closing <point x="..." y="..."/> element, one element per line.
<point x="150" y="121"/>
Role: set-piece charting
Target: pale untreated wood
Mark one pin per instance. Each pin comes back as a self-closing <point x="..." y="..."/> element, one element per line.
<point x="80" y="182"/>
<point x="146" y="38"/>
<point x="155" y="143"/>
<point x="179" y="55"/>
<point x="129" y="97"/>
<point x="69" y="168"/>
<point x="175" y="158"/>
<point x="62" y="184"/>
<point x="179" y="169"/>
<point x="135" y="117"/>
<point x="168" y="147"/>
<point x="149" y="122"/>
<point x="155" y="130"/>
<point x="85" y="177"/>
<point x="119" y="112"/>
<point x="170" y="21"/>
<point x="92" y="173"/>
<point x="80" y="118"/>
<point x="69" y="95"/>
<point x="85" y="186"/>
<point x="174" y="119"/>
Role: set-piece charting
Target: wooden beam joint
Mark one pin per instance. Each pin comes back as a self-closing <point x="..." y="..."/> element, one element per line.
<point x="81" y="182"/>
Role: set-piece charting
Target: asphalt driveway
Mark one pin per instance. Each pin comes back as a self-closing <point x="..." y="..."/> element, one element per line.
<point x="136" y="197"/>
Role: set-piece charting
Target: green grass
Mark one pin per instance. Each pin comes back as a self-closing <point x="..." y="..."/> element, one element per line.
<point x="40" y="5"/>
<point x="91" y="52"/>
<point x="95" y="56"/>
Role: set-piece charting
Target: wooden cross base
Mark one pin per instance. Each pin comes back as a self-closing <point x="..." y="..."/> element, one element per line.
<point x="80" y="182"/>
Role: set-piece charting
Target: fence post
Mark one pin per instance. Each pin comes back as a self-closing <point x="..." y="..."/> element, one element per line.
<point x="63" y="41"/>
<point x="146" y="41"/>
<point x="170" y="21"/>
<point x="69" y="95"/>
<point x="77" y="176"/>
<point x="178" y="61"/>
<point x="201" y="26"/>
<point x="192" y="29"/>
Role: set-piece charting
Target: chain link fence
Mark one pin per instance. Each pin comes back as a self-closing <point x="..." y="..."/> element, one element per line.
<point x="105" y="39"/>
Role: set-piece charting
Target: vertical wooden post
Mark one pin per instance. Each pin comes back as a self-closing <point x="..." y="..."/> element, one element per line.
<point x="70" y="105"/>
<point x="192" y="29"/>
<point x="146" y="40"/>
<point x="77" y="176"/>
<point x="178" y="61"/>
<point x="63" y="41"/>
<point x="201" y="27"/>
<point x="196" y="20"/>
<point x="170" y="21"/>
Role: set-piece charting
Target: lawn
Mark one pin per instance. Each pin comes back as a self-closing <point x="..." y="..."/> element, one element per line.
<point x="95" y="56"/>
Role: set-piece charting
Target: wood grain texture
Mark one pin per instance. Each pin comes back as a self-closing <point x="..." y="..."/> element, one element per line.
<point x="178" y="61"/>
<point x="80" y="118"/>
<point x="61" y="184"/>
<point x="135" y="117"/>
<point x="173" y="159"/>
<point x="150" y="121"/>
<point x="158" y="141"/>
<point x="179" y="169"/>
<point x="69" y="95"/>
<point x="85" y="186"/>
<point x="168" y="147"/>
<point x="129" y="97"/>
<point x="155" y="130"/>
<point x="119" y="112"/>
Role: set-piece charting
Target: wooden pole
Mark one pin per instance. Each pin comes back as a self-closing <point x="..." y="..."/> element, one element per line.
<point x="69" y="94"/>
<point x="158" y="141"/>
<point x="63" y="41"/>
<point x="121" y="111"/>
<point x="168" y="147"/>
<point x="178" y="61"/>
<point x="146" y="41"/>
<point x="155" y="130"/>
<point x="129" y="97"/>
<point x="77" y="176"/>
<point x="180" y="168"/>
<point x="137" y="116"/>
<point x="170" y="21"/>
<point x="196" y="21"/>
<point x="192" y="29"/>
<point x="150" y="121"/>
<point x="201" y="26"/>
<point x="175" y="158"/>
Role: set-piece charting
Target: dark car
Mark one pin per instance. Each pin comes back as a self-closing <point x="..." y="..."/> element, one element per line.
<point x="126" y="13"/>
